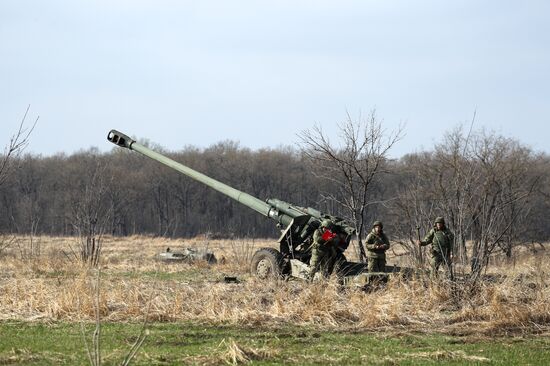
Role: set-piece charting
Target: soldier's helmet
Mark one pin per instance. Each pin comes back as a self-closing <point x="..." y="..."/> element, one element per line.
<point x="328" y="224"/>
<point x="440" y="220"/>
<point x="378" y="223"/>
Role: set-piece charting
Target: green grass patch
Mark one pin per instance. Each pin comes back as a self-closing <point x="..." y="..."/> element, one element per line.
<point x="184" y="343"/>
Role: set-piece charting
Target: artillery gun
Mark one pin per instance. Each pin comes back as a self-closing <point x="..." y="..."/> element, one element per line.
<point x="297" y="223"/>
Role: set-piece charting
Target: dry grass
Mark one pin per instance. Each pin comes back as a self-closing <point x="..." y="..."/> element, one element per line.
<point x="448" y="356"/>
<point x="425" y="357"/>
<point x="18" y="356"/>
<point x="56" y="288"/>
<point x="236" y="354"/>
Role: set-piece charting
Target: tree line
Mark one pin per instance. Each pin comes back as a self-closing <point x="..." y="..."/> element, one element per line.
<point x="135" y="195"/>
<point x="492" y="190"/>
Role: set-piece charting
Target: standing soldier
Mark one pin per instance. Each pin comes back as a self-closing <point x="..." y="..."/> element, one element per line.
<point x="323" y="250"/>
<point x="442" y="240"/>
<point x="377" y="244"/>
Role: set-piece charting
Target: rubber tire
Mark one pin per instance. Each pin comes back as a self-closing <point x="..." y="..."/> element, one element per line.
<point x="267" y="263"/>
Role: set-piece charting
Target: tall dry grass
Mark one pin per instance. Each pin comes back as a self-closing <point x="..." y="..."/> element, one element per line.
<point x="56" y="288"/>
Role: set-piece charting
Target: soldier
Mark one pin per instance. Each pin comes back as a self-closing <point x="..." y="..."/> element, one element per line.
<point x="323" y="250"/>
<point x="442" y="240"/>
<point x="377" y="244"/>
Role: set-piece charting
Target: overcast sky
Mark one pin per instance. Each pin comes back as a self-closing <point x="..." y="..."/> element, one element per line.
<point x="259" y="72"/>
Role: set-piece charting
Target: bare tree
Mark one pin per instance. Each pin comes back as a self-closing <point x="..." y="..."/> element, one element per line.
<point x="18" y="143"/>
<point x="91" y="214"/>
<point x="502" y="197"/>
<point x="351" y="166"/>
<point x="443" y="183"/>
<point x="481" y="183"/>
<point x="12" y="152"/>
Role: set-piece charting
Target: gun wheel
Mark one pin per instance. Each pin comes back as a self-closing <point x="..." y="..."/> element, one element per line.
<point x="267" y="263"/>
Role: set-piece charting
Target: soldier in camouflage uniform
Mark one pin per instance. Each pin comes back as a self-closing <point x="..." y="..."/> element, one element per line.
<point x="377" y="244"/>
<point x="324" y="249"/>
<point x="442" y="240"/>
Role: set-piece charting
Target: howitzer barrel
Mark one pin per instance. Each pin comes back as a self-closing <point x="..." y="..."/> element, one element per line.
<point x="122" y="140"/>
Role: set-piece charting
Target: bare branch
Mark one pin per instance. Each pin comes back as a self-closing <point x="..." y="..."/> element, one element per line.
<point x="353" y="166"/>
<point x="18" y="143"/>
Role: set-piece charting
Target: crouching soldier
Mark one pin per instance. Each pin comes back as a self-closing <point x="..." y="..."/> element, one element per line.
<point x="324" y="249"/>
<point x="377" y="244"/>
<point x="441" y="239"/>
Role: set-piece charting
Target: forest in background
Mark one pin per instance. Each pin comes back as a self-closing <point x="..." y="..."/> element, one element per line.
<point x="126" y="194"/>
<point x="135" y="195"/>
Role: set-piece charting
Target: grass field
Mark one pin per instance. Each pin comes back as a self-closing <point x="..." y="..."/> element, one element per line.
<point x="187" y="343"/>
<point x="197" y="318"/>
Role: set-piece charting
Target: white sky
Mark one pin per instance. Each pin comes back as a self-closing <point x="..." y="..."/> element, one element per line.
<point x="259" y="72"/>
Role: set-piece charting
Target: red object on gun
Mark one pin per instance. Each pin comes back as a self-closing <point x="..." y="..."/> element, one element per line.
<point x="328" y="235"/>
